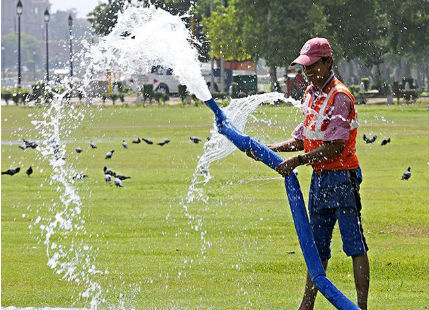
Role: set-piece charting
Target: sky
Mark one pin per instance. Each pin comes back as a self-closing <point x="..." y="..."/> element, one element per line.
<point x="82" y="6"/>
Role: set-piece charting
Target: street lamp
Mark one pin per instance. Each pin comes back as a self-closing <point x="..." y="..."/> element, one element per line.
<point x="46" y="18"/>
<point x="71" y="46"/>
<point x="19" y="10"/>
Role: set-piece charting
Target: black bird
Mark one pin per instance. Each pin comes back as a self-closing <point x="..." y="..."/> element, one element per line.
<point x="407" y="174"/>
<point x="78" y="150"/>
<point x="30" y="144"/>
<point x="195" y="139"/>
<point x="29" y="171"/>
<point x="108" y="171"/>
<point x="122" y="177"/>
<point x="369" y="140"/>
<point x="108" y="178"/>
<point x="92" y="144"/>
<point x="118" y="183"/>
<point x="109" y="154"/>
<point x="164" y="142"/>
<point x="137" y="141"/>
<point x="147" y="141"/>
<point x="11" y="171"/>
<point x="79" y="176"/>
<point x="385" y="141"/>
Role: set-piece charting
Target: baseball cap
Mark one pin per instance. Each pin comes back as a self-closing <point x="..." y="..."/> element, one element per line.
<point x="312" y="51"/>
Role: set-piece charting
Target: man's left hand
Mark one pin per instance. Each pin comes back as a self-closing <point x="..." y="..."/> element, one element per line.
<point x="286" y="166"/>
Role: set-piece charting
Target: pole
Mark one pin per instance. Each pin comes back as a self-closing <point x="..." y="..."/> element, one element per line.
<point x="19" y="51"/>
<point x="2" y="62"/>
<point x="212" y="83"/>
<point x="222" y="66"/>
<point x="71" y="45"/>
<point x="47" y="54"/>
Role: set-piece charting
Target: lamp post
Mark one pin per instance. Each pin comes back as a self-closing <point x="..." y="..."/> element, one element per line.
<point x="71" y="46"/>
<point x="19" y="10"/>
<point x="46" y="18"/>
<point x="2" y="62"/>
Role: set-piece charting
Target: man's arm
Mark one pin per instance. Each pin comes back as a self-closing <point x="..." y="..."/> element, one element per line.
<point x="291" y="145"/>
<point x="326" y="151"/>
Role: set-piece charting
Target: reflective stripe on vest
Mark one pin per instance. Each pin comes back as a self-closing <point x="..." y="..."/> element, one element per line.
<point x="319" y="117"/>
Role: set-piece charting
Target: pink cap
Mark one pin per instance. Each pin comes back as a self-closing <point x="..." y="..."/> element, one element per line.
<point x="312" y="51"/>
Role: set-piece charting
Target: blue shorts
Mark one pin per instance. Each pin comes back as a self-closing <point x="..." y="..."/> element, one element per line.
<point x="334" y="195"/>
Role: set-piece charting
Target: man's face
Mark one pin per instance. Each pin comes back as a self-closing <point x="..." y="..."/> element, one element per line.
<point x="317" y="72"/>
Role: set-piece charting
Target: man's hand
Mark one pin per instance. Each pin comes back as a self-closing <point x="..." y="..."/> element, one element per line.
<point x="286" y="166"/>
<point x="251" y="154"/>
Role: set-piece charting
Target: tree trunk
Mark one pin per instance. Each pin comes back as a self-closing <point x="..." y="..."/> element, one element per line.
<point x="273" y="79"/>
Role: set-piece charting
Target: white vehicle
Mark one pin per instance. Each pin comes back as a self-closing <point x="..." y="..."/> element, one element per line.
<point x="163" y="80"/>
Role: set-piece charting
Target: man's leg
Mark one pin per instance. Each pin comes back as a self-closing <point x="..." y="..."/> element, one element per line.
<point x="310" y="292"/>
<point x="361" y="275"/>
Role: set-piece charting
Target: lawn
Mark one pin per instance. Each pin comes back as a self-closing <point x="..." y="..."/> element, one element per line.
<point x="146" y="241"/>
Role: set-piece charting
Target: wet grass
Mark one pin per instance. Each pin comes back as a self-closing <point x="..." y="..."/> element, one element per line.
<point x="255" y="260"/>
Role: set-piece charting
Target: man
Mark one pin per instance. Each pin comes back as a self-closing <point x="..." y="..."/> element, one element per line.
<point x="328" y="137"/>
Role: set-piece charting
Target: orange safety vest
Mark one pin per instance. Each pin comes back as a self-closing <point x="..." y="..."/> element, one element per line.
<point x="316" y="121"/>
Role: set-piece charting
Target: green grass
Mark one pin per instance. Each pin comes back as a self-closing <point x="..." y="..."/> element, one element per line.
<point x="144" y="236"/>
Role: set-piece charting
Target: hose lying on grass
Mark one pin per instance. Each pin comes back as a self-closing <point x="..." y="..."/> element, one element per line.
<point x="297" y="205"/>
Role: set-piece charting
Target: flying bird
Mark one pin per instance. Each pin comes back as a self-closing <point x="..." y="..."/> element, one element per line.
<point x="109" y="154"/>
<point x="407" y="174"/>
<point x="29" y="171"/>
<point x="78" y="150"/>
<point x="11" y="171"/>
<point x="118" y="183"/>
<point x="164" y="142"/>
<point x="122" y="177"/>
<point x="385" y="141"/>
<point x="195" y="139"/>
<point x="124" y="144"/>
<point x="108" y="178"/>
<point x="369" y="140"/>
<point x="108" y="171"/>
<point x="147" y="141"/>
<point x="137" y="141"/>
<point x="92" y="144"/>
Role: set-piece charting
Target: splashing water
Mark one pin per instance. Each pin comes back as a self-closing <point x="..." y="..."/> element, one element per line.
<point x="147" y="36"/>
<point x="143" y="37"/>
<point x="63" y="232"/>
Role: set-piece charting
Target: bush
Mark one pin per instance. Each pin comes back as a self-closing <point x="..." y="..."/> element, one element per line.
<point x="161" y="98"/>
<point x="114" y="97"/>
<point x="182" y="91"/>
<point x="219" y="95"/>
<point x="354" y="89"/>
<point x="148" y="92"/>
<point x="19" y="95"/>
<point x="6" y="95"/>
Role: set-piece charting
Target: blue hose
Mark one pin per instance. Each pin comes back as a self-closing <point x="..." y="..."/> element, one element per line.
<point x="297" y="205"/>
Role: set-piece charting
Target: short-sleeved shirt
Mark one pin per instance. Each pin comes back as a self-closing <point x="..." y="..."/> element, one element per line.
<point x="339" y="126"/>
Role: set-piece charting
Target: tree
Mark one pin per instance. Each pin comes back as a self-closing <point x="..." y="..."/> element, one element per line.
<point x="31" y="52"/>
<point x="275" y="30"/>
<point x="224" y="30"/>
